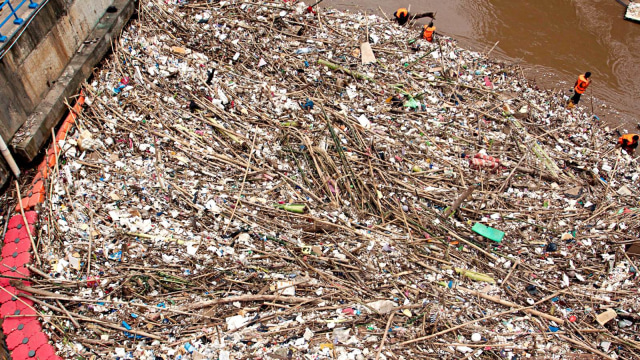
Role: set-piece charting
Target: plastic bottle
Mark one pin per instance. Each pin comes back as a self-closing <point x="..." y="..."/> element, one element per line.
<point x="304" y="51"/>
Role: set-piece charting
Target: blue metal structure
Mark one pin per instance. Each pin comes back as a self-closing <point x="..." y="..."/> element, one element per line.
<point x="13" y="14"/>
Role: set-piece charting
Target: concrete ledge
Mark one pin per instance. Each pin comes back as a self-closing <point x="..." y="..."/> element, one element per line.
<point x="37" y="129"/>
<point x="32" y="61"/>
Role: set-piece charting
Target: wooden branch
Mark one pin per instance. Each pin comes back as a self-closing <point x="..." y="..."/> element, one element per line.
<point x="336" y="67"/>
<point x="496" y="300"/>
<point x="585" y="346"/>
<point x="384" y="337"/>
<point x="248" y="298"/>
<point x="457" y="327"/>
<point x="459" y="201"/>
<point x="424" y="15"/>
<point x="26" y="224"/>
<point x="88" y="319"/>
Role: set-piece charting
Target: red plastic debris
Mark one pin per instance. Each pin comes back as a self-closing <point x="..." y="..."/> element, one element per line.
<point x="22" y="231"/>
<point x="24" y="302"/>
<point x="93" y="281"/>
<point x="15" y="271"/>
<point x="53" y="150"/>
<point x="348" y="311"/>
<point x="33" y="342"/>
<point x="12" y="235"/>
<point x="25" y="204"/>
<point x="32" y="218"/>
<point x="20" y="337"/>
<point x="30" y="202"/>
<point x="21" y="260"/>
<point x="15" y="221"/>
<point x="38" y="177"/>
<point x="31" y="328"/>
<point x="16" y="308"/>
<point x="23" y="245"/>
<point x="35" y="199"/>
<point x="12" y="324"/>
<point x="7" y="295"/>
<point x="487" y="82"/>
<point x="46" y="351"/>
<point x="37" y="347"/>
<point x="24" y="336"/>
<point x="10" y="248"/>
<point x="38" y="187"/>
<point x="38" y="339"/>
<point x="22" y="352"/>
<point x="44" y="169"/>
<point x="480" y="161"/>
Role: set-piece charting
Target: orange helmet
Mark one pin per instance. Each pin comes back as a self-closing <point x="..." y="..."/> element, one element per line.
<point x="402" y="12"/>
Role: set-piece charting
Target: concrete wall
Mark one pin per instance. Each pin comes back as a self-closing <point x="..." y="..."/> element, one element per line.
<point x="36" y="60"/>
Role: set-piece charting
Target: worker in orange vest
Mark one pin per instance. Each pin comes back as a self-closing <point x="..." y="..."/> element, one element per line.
<point x="628" y="142"/>
<point x="402" y="16"/>
<point x="579" y="88"/>
<point x="428" y="32"/>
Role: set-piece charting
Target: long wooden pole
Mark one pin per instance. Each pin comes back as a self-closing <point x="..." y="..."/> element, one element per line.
<point x="384" y="337"/>
<point x="513" y="305"/>
<point x="459" y="201"/>
<point x="26" y="223"/>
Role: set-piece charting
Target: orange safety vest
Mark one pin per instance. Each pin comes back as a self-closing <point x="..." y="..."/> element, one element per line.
<point x="582" y="84"/>
<point x="402" y="13"/>
<point x="428" y="33"/>
<point x="628" y="137"/>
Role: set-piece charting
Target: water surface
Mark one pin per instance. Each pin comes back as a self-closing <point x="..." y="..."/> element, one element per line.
<point x="555" y="40"/>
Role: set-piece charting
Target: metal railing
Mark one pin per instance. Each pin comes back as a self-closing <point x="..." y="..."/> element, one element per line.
<point x="14" y="14"/>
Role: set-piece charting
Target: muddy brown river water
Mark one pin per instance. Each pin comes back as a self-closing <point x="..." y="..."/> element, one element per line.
<point x="555" y="41"/>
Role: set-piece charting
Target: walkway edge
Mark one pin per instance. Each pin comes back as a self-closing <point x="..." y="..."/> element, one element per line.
<point x="39" y="124"/>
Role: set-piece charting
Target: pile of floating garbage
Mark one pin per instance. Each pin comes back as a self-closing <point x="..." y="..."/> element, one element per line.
<point x="257" y="180"/>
